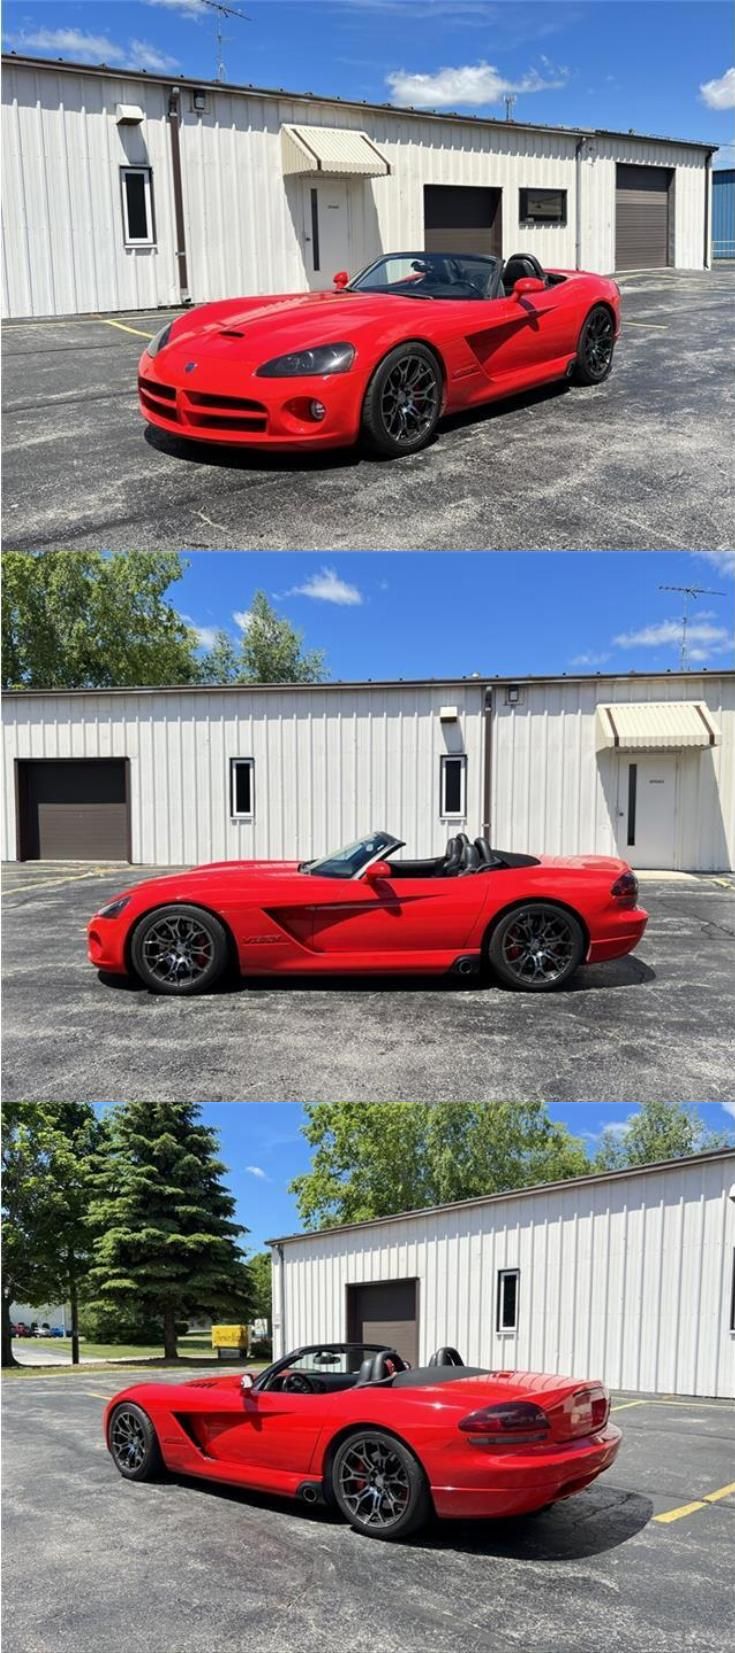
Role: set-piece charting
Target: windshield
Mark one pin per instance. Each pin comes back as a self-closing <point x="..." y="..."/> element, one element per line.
<point x="430" y="275"/>
<point x="350" y="861"/>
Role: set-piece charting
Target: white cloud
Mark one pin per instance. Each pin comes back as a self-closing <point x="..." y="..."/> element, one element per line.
<point x="84" y="47"/>
<point x="327" y="587"/>
<point x="724" y="560"/>
<point x="473" y="84"/>
<point x="589" y="659"/>
<point x="257" y="1171"/>
<point x="242" y="618"/>
<point x="144" y="56"/>
<point x="729" y="1107"/>
<point x="719" y="94"/>
<point x="706" y="639"/>
<point x="192" y="9"/>
<point x="206" y="636"/>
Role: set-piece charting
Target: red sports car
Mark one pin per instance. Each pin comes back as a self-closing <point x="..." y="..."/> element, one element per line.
<point x="415" y="335"/>
<point x="532" y="919"/>
<point x="350" y="1424"/>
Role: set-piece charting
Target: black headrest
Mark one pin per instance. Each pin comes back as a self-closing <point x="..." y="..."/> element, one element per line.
<point x="453" y="857"/>
<point x="484" y="851"/>
<point x="520" y="265"/>
<point x="382" y="1365"/>
<point x="470" y="860"/>
<point x="446" y="1357"/>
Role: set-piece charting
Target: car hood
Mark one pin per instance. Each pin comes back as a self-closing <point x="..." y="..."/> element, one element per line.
<point x="187" y="884"/>
<point x="257" y="328"/>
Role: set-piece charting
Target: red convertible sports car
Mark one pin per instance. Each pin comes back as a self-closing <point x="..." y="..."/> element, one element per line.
<point x="415" y="335"/>
<point x="532" y="919"/>
<point x="350" y="1424"/>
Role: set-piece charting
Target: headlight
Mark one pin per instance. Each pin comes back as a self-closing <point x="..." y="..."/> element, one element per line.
<point x="113" y="908"/>
<point x="160" y="341"/>
<point x="324" y="358"/>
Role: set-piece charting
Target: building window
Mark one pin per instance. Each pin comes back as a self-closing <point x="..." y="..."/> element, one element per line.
<point x="542" y="206"/>
<point x="506" y="1318"/>
<point x="315" y="229"/>
<point x="242" y="789"/>
<point x="453" y="787"/>
<point x="137" y="204"/>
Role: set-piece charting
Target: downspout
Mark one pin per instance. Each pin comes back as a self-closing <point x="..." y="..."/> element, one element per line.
<point x="578" y="202"/>
<point x="281" y="1305"/>
<point x="707" y="197"/>
<point x="174" y="122"/>
<point x="487" y="775"/>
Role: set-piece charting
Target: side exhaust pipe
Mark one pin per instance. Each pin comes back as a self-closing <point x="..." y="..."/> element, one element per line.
<point x="310" y="1492"/>
<point x="468" y="966"/>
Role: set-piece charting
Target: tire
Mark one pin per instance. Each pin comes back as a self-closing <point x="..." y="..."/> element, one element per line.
<point x="197" y="953"/>
<point x="392" y="422"/>
<point x="376" y="1516"/>
<point x="133" y="1443"/>
<point x="595" y="348"/>
<point x="536" y="948"/>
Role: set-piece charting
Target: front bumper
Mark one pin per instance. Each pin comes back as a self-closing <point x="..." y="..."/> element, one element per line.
<point x="106" y="944"/>
<point x="208" y="405"/>
<point x="515" y="1484"/>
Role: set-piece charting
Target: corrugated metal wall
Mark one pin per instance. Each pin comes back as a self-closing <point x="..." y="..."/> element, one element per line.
<point x="723" y="213"/>
<point x="551" y="791"/>
<point x="246" y="225"/>
<point x="330" y="764"/>
<point x="628" y="1281"/>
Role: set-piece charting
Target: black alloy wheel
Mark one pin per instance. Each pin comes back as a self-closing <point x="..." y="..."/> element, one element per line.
<point x="133" y="1445"/>
<point x="596" y="347"/>
<point x="537" y="947"/>
<point x="379" y="1486"/>
<point x="403" y="401"/>
<point x="179" y="950"/>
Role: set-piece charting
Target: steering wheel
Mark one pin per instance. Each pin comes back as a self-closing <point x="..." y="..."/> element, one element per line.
<point x="297" y="1383"/>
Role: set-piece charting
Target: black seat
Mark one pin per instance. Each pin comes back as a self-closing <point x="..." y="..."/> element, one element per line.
<point x="446" y="1357"/>
<point x="456" y="850"/>
<point x="487" y="859"/>
<point x="470" y="860"/>
<point x="376" y="1368"/>
<point x="520" y="265"/>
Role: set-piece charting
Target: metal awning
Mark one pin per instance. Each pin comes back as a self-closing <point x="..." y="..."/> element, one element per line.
<point x="330" y="152"/>
<point x="656" y="725"/>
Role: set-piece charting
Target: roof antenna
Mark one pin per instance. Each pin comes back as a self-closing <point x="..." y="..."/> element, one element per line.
<point x="689" y="593"/>
<point x="223" y="12"/>
<point x="509" y="101"/>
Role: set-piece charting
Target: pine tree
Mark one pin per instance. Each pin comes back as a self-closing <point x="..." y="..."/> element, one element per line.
<point x="165" y="1237"/>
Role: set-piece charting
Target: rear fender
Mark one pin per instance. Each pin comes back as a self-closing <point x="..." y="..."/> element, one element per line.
<point x="549" y="901"/>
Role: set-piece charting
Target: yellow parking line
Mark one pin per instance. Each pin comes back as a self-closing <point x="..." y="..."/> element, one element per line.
<point x="51" y="883"/>
<point x="658" y="326"/>
<point x="625" y="1403"/>
<point x="699" y="1504"/>
<point x="124" y="329"/>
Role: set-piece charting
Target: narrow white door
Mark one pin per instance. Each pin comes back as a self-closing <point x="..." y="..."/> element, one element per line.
<point x="647" y="793"/>
<point x="326" y="230"/>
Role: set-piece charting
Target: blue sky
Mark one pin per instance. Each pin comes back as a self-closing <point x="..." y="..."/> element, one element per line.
<point x="263" y="1148"/>
<point x="443" y="614"/>
<point x="657" y="66"/>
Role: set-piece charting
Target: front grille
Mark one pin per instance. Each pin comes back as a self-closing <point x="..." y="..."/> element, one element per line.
<point x="150" y="386"/>
<point x="202" y="400"/>
<point x="218" y="421"/>
<point x="200" y="410"/>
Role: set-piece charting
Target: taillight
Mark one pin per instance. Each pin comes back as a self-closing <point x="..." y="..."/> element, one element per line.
<point x="518" y="1421"/>
<point x="625" y="889"/>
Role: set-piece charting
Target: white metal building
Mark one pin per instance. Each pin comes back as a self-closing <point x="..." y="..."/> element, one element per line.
<point x="125" y="191"/>
<point x="642" y="766"/>
<point x="628" y="1277"/>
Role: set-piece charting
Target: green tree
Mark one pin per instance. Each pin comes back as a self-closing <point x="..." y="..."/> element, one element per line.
<point x="260" y="1275"/>
<point x="165" y="1236"/>
<point x="658" y="1130"/>
<point x="90" y="619"/>
<point x="48" y="1152"/>
<point x="399" y="1156"/>
<point x="270" y="651"/>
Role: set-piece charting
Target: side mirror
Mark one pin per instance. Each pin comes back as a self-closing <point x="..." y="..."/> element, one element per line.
<point x="246" y="1382"/>
<point x="377" y="871"/>
<point x="526" y="286"/>
<point x="341" y="279"/>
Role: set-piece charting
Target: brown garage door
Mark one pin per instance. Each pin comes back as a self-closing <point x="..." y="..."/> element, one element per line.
<point x="642" y="217"/>
<point x="459" y="218"/>
<point x="73" y="811"/>
<point x="385" y="1313"/>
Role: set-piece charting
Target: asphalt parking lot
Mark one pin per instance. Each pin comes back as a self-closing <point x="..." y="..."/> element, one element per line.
<point x="177" y="1566"/>
<point x="642" y="462"/>
<point x="657" y="1024"/>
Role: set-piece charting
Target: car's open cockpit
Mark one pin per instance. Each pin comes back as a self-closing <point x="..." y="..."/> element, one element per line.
<point x="449" y="275"/>
<point x="327" y="1368"/>
<point x="461" y="858"/>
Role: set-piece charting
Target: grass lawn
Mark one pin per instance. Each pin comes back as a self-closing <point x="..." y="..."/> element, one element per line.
<point x="196" y="1344"/>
